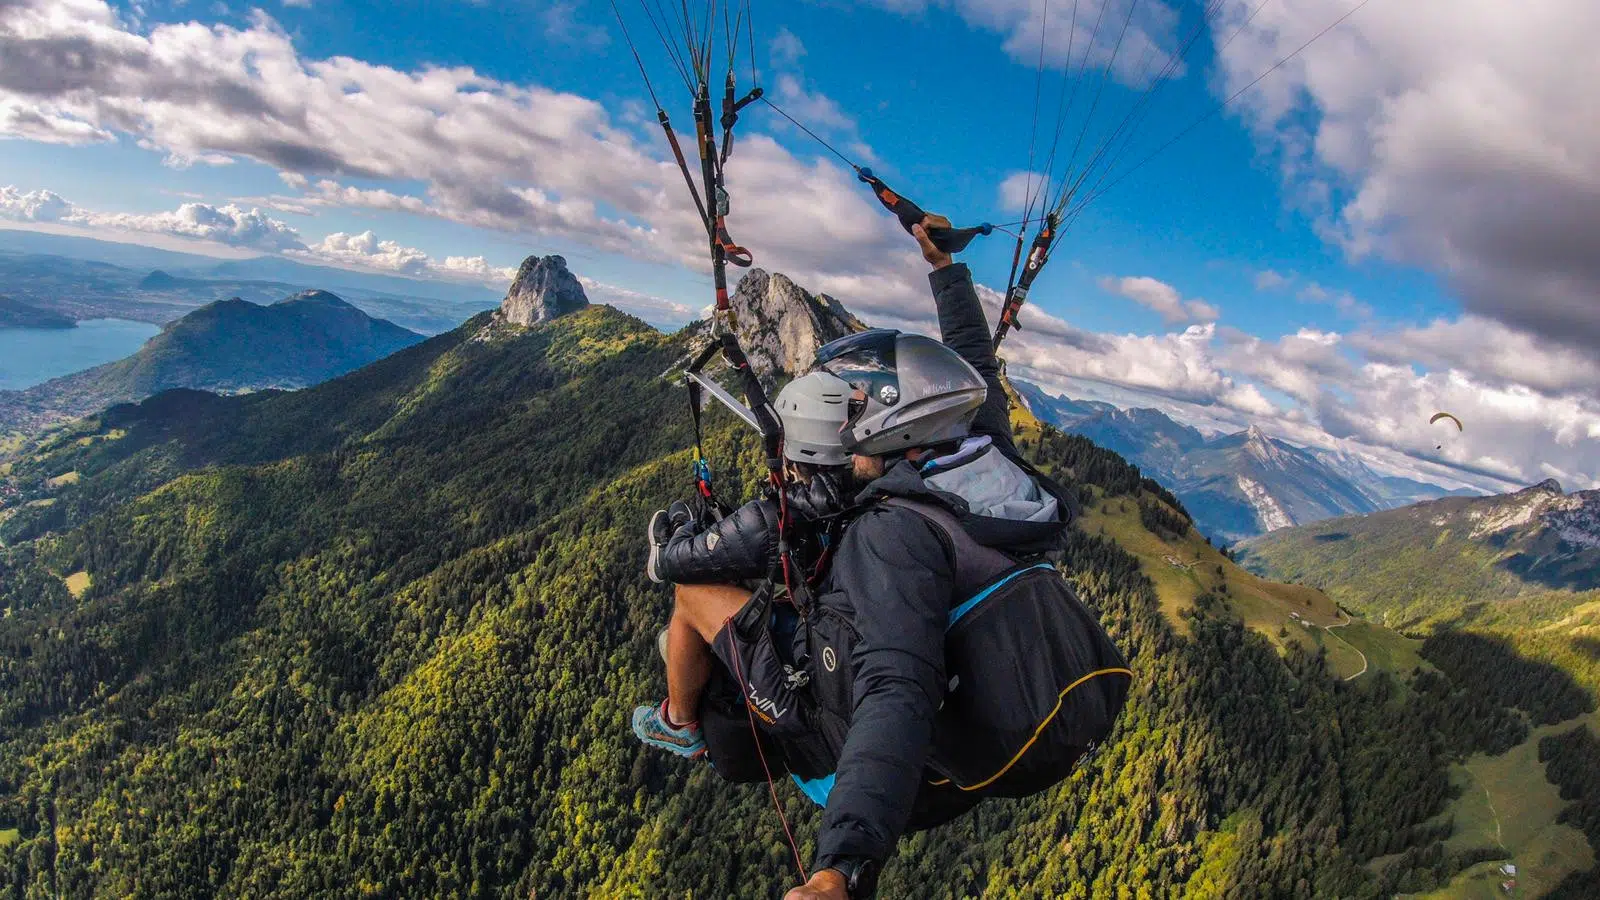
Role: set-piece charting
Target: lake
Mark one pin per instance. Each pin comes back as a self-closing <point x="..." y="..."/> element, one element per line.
<point x="29" y="356"/>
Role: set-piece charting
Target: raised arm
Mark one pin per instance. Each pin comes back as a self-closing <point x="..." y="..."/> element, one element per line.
<point x="964" y="329"/>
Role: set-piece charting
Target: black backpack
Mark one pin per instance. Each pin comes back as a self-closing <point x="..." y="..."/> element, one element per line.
<point x="1034" y="680"/>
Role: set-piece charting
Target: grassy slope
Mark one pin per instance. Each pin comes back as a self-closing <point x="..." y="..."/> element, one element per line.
<point x="1506" y="803"/>
<point x="1183" y="570"/>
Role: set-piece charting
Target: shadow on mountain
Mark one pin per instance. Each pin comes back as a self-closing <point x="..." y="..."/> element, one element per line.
<point x="1559" y="572"/>
<point x="1332" y="537"/>
<point x="1587" y="646"/>
<point x="1499" y="674"/>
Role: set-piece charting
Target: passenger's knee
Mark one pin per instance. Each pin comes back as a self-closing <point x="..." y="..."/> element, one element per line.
<point x="704" y="607"/>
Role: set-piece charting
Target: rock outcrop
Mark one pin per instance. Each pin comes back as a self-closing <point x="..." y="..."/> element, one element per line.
<point x="544" y="289"/>
<point x="781" y="325"/>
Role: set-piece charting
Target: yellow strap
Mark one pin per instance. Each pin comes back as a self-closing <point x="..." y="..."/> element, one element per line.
<point x="1060" y="699"/>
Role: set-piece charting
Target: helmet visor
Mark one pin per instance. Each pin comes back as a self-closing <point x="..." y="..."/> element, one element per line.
<point x="866" y="361"/>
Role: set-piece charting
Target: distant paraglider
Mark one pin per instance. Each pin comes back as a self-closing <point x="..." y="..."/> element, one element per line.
<point x="1441" y="416"/>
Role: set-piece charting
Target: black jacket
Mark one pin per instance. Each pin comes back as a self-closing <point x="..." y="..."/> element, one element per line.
<point x="893" y="576"/>
<point x="741" y="544"/>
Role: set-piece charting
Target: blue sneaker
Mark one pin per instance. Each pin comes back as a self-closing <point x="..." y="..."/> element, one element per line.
<point x="651" y="725"/>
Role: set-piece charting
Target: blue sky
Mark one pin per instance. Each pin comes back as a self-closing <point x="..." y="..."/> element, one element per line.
<point x="1288" y="262"/>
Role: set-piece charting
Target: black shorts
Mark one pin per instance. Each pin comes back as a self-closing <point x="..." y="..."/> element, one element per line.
<point x="748" y="704"/>
<point x="756" y="647"/>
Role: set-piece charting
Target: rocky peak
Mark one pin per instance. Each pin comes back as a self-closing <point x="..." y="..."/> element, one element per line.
<point x="315" y="298"/>
<point x="781" y="325"/>
<point x="1260" y="446"/>
<point x="544" y="289"/>
<point x="1547" y="486"/>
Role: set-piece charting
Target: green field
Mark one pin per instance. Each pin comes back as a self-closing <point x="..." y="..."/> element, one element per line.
<point x="1384" y="649"/>
<point x="1184" y="569"/>
<point x="1506" y="802"/>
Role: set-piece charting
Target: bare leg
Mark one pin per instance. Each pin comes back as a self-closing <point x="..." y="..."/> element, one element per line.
<point x="698" y="612"/>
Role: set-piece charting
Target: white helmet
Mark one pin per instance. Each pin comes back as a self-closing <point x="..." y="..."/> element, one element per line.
<point x="813" y="408"/>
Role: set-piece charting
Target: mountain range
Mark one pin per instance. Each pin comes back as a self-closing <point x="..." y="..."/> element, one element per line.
<point x="382" y="636"/>
<point x="82" y="278"/>
<point x="1235" y="485"/>
<point x="1451" y="559"/>
<point x="228" y="346"/>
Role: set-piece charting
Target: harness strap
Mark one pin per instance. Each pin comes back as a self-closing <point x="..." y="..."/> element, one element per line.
<point x="975" y="565"/>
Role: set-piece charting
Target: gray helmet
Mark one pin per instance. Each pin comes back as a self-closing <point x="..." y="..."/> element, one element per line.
<point x="813" y="408"/>
<point x="909" y="390"/>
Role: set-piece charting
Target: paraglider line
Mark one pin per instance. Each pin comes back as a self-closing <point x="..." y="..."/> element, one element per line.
<point x="831" y="149"/>
<point x="1072" y="214"/>
<point x="772" y="787"/>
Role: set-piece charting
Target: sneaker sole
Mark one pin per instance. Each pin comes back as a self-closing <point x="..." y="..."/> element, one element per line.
<point x="652" y="566"/>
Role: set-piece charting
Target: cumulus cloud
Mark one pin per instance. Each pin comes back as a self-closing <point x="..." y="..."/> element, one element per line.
<point x="1161" y="297"/>
<point x="367" y="251"/>
<point x="228" y="224"/>
<point x="486" y="153"/>
<point x="1137" y="37"/>
<point x="786" y="48"/>
<point x="1358" y="392"/>
<point x="1446" y="135"/>
<point x="34" y="206"/>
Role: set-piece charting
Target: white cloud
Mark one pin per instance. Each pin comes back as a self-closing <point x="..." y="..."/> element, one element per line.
<point x="1356" y="392"/>
<point x="229" y="224"/>
<point x="1493" y="352"/>
<point x="367" y="251"/>
<point x="1017" y="188"/>
<point x="786" y="48"/>
<point x="657" y="311"/>
<point x="517" y="158"/>
<point x="1137" y="37"/>
<point x="20" y="120"/>
<point x="479" y="268"/>
<point x="1451" y="135"/>
<point x="1161" y="297"/>
<point x="34" y="206"/>
<point x="1269" y="280"/>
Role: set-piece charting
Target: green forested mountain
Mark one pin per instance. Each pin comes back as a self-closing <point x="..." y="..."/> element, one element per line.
<point x="231" y="345"/>
<point x="381" y="637"/>
<point x="16" y="314"/>
<point x="1536" y="551"/>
